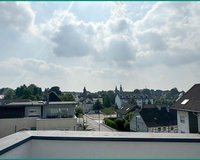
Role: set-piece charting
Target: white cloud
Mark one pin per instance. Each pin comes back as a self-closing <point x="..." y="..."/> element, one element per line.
<point x="17" y="16"/>
<point x="165" y="39"/>
<point x="167" y="33"/>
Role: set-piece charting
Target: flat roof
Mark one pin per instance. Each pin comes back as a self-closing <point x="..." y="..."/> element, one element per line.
<point x="39" y="103"/>
<point x="9" y="142"/>
<point x="63" y="102"/>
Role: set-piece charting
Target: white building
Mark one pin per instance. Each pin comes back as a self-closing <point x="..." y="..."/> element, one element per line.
<point x="188" y="111"/>
<point x="125" y="97"/>
<point x="91" y="145"/>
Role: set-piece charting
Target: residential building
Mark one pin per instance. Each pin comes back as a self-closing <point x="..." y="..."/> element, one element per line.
<point x="188" y="111"/>
<point x="154" y="118"/>
<point x="36" y="115"/>
<point x="125" y="97"/>
<point x="86" y="101"/>
<point x="121" y="113"/>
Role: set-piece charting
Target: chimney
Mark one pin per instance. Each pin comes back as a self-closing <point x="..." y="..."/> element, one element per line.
<point x="167" y="108"/>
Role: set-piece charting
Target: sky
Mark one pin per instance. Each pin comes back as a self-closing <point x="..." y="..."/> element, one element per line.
<point x="100" y="45"/>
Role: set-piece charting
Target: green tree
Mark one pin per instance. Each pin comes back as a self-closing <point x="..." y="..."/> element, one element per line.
<point x="106" y="101"/>
<point x="111" y="95"/>
<point x="136" y="91"/>
<point x="146" y="91"/>
<point x="128" y="116"/>
<point x="108" y="111"/>
<point x="132" y="101"/>
<point x="78" y="111"/>
<point x="97" y="106"/>
<point x="9" y="94"/>
<point x="67" y="97"/>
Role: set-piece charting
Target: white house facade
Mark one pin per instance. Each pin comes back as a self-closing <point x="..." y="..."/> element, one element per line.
<point x="183" y="122"/>
<point x="188" y="111"/>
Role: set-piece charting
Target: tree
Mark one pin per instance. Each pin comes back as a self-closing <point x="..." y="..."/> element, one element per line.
<point x="35" y="91"/>
<point x="78" y="111"/>
<point x="111" y="95"/>
<point x="128" y="116"/>
<point x="132" y="101"/>
<point x="146" y="91"/>
<point x="20" y="90"/>
<point x="97" y="106"/>
<point x="9" y="94"/>
<point x="108" y="111"/>
<point x="67" y="97"/>
<point x="106" y="101"/>
<point x="136" y="91"/>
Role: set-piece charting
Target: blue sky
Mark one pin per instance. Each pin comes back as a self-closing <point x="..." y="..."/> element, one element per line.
<point x="100" y="44"/>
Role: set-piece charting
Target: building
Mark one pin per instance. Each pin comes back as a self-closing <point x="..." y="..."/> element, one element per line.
<point x="102" y="145"/>
<point x="188" y="111"/>
<point x="36" y="115"/>
<point x="154" y="118"/>
<point x="139" y="98"/>
<point x="121" y="113"/>
<point x="85" y="101"/>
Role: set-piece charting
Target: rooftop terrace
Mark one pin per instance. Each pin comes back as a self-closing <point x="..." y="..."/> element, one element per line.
<point x="69" y="144"/>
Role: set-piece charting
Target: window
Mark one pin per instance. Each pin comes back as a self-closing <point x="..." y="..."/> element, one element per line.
<point x="185" y="101"/>
<point x="32" y="111"/>
<point x="182" y="119"/>
<point x="172" y="128"/>
<point x="164" y="128"/>
<point x="159" y="129"/>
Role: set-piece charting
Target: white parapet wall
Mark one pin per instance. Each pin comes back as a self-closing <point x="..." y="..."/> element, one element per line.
<point x="69" y="144"/>
<point x="57" y="124"/>
<point x="11" y="125"/>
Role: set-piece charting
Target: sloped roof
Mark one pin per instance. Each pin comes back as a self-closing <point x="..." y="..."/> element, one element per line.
<point x="154" y="117"/>
<point x="126" y="109"/>
<point x="129" y="95"/>
<point x="190" y="101"/>
<point x="53" y="97"/>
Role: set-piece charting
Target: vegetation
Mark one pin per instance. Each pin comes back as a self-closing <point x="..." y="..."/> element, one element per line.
<point x="66" y="97"/>
<point x="108" y="111"/>
<point x="110" y="123"/>
<point x="34" y="92"/>
<point x="97" y="106"/>
<point x="79" y="112"/>
<point x="120" y="124"/>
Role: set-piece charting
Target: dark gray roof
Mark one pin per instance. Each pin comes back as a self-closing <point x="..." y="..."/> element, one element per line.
<point x="190" y="101"/>
<point x="154" y="117"/>
<point x="129" y="95"/>
<point x="124" y="110"/>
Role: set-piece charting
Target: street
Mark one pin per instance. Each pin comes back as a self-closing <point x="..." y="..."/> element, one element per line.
<point x="93" y="123"/>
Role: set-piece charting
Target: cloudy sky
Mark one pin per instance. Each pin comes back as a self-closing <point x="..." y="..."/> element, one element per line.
<point x="100" y="45"/>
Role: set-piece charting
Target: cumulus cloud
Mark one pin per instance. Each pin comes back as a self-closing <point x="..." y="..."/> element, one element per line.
<point x="167" y="30"/>
<point x="17" y="16"/>
<point x="70" y="43"/>
<point x="164" y="38"/>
